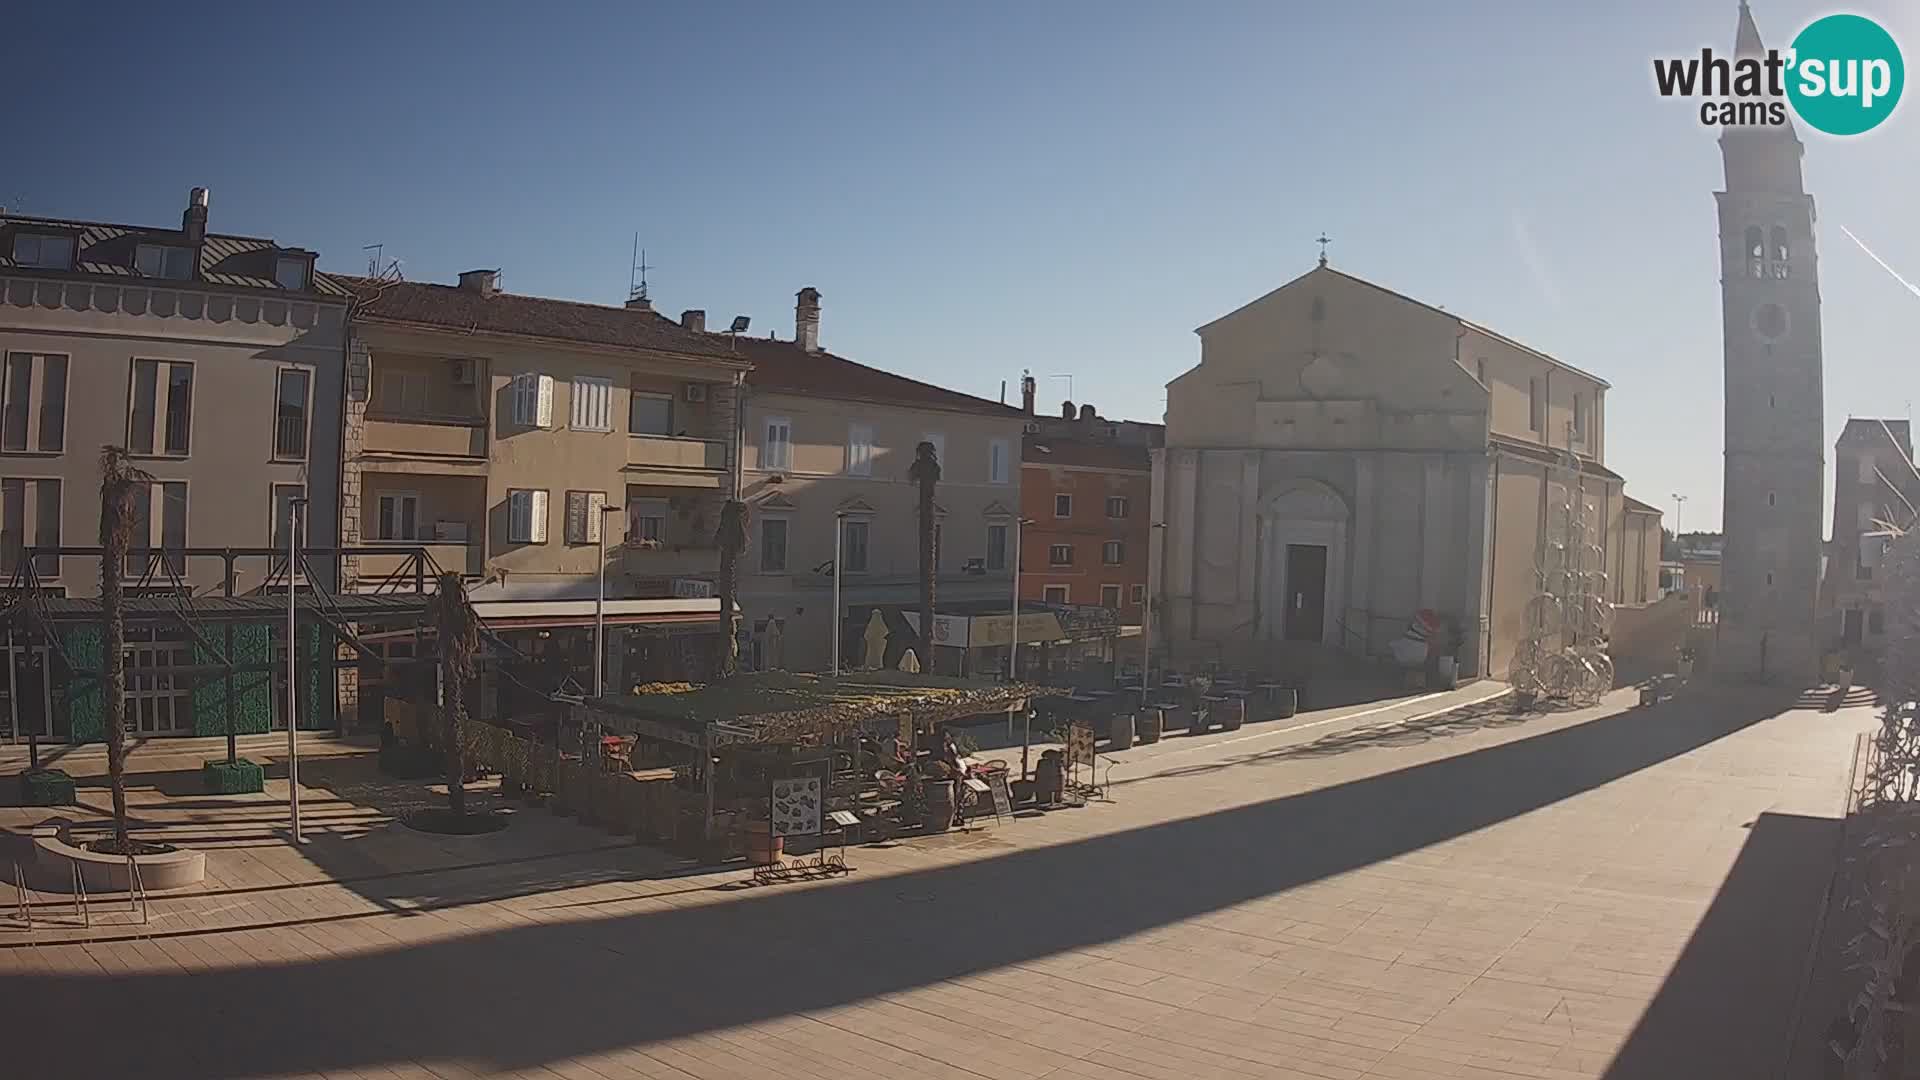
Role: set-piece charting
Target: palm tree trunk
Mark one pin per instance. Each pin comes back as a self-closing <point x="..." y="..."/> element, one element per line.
<point x="732" y="540"/>
<point x="120" y="484"/>
<point x="459" y="648"/>
<point x="926" y="472"/>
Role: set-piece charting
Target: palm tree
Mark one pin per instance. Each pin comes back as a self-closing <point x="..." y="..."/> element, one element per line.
<point x="459" y="644"/>
<point x="926" y="473"/>
<point x="732" y="540"/>
<point x="121" y="484"/>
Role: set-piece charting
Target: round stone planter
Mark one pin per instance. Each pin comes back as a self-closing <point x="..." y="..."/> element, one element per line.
<point x="55" y="850"/>
<point x="1286" y="702"/>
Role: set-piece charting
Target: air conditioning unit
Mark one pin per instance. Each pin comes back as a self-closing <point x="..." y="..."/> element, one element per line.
<point x="1033" y="427"/>
<point x="694" y="392"/>
<point x="462" y="371"/>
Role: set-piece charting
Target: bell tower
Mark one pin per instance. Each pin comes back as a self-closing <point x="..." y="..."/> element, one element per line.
<point x="1775" y="438"/>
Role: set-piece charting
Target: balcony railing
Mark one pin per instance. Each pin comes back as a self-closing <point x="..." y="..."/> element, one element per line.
<point x="676" y="452"/>
<point x="466" y="559"/>
<point x="389" y="433"/>
<point x="668" y="562"/>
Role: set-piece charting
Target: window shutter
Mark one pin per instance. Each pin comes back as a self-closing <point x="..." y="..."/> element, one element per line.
<point x="543" y="395"/>
<point x="595" y="509"/>
<point x="523" y="400"/>
<point x="538" y="500"/>
<point x="576" y="517"/>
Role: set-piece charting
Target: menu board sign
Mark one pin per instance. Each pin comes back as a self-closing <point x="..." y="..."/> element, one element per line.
<point x="796" y="806"/>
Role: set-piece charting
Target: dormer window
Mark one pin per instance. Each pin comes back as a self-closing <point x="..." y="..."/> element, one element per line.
<point x="164" y="261"/>
<point x="43" y="251"/>
<point x="292" y="271"/>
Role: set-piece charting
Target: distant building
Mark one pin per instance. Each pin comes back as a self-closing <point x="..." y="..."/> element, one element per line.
<point x="1876" y="488"/>
<point x="1086" y="488"/>
<point x="1344" y="456"/>
<point x="505" y="432"/>
<point x="217" y="362"/>
<point x="830" y="439"/>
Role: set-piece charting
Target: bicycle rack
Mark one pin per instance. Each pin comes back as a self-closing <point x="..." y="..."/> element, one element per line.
<point x="81" y="908"/>
<point x="20" y="891"/>
<point x="136" y="890"/>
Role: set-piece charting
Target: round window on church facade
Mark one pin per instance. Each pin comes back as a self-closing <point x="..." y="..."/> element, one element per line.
<point x="1770" y="322"/>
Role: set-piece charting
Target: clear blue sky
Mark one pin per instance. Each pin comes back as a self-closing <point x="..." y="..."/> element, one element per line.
<point x="981" y="188"/>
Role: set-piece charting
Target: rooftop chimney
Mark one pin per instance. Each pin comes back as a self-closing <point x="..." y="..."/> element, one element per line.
<point x="806" y="319"/>
<point x="1066" y="410"/>
<point x="1027" y="387"/>
<point x="694" y="319"/>
<point x="1088" y="414"/>
<point x="193" y="221"/>
<point x="484" y="282"/>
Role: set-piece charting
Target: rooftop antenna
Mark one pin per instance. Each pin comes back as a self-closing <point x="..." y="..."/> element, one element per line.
<point x="637" y="272"/>
<point x="374" y="252"/>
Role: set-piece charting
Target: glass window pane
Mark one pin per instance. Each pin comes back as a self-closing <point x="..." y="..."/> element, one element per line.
<point x="19" y="392"/>
<point x="146" y="376"/>
<point x="13" y="520"/>
<point x="46" y="526"/>
<point x="649" y="415"/>
<point x="179" y="407"/>
<point x="147" y="260"/>
<point x="290" y="273"/>
<point x="290" y="428"/>
<point x="53" y="402"/>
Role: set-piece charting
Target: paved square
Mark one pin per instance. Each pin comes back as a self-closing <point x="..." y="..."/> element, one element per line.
<point x="1375" y="893"/>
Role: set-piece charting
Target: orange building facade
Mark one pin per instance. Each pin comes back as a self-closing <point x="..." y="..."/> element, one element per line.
<point x="1086" y="524"/>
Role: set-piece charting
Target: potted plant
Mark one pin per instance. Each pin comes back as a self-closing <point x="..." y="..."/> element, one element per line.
<point x="1685" y="667"/>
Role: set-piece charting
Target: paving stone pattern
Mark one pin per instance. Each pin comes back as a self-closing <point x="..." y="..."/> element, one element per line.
<point x="1378" y="892"/>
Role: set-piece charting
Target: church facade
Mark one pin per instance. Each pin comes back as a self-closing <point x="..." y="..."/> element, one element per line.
<point x="1344" y="456"/>
<point x="1773" y="492"/>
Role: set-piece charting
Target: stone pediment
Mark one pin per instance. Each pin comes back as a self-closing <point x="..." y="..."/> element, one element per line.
<point x="775" y="501"/>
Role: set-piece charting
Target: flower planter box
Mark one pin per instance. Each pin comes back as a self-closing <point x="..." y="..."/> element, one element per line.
<point x="46" y="787"/>
<point x="237" y="777"/>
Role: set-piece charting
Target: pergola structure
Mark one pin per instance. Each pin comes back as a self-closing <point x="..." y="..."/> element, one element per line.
<point x="231" y="633"/>
<point x="779" y="708"/>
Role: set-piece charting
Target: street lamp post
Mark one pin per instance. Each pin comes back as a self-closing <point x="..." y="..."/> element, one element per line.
<point x="1013" y="635"/>
<point x="1146" y="620"/>
<point x="839" y="534"/>
<point x="600" y="611"/>
<point x="294" y="506"/>
<point x="1679" y="501"/>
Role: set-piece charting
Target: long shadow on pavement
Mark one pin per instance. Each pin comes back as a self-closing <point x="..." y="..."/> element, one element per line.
<point x="523" y="996"/>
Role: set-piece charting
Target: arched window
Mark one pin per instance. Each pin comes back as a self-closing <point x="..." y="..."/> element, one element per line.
<point x="1778" y="252"/>
<point x="1756" y="252"/>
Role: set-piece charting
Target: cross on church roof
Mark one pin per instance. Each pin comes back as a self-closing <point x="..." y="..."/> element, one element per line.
<point x="1323" y="242"/>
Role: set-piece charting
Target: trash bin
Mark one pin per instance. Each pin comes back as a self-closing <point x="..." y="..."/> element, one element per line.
<point x="1120" y="734"/>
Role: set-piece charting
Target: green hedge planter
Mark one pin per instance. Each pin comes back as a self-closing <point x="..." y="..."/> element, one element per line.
<point x="46" y="787"/>
<point x="238" y="777"/>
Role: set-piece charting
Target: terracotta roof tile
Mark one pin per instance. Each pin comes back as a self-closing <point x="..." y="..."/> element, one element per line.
<point x="785" y="367"/>
<point x="421" y="303"/>
<point x="1089" y="455"/>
